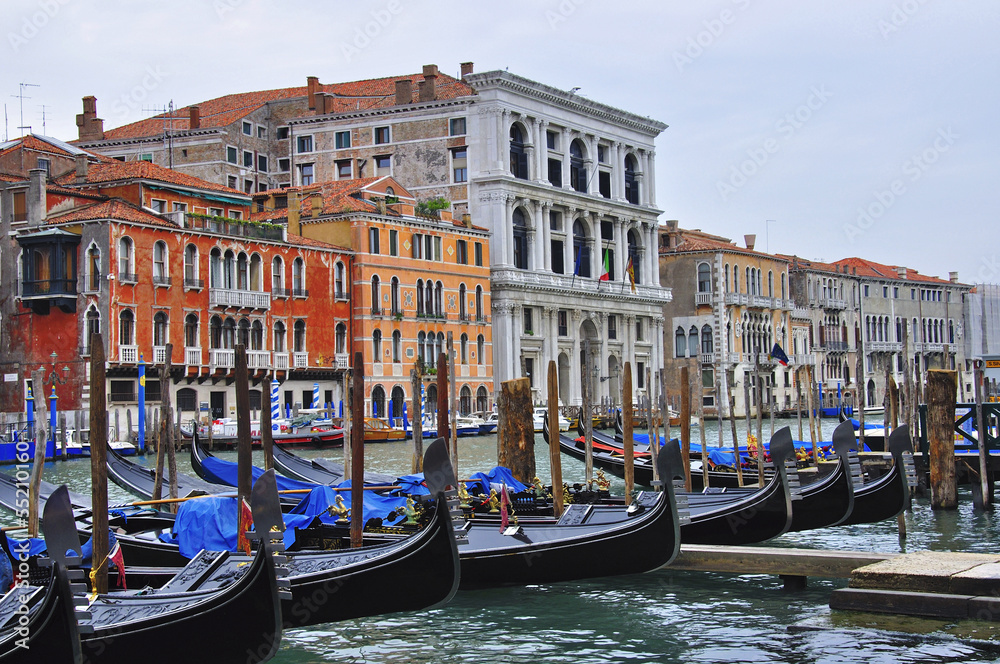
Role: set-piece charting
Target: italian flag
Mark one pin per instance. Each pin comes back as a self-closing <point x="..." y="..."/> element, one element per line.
<point x="606" y="274"/>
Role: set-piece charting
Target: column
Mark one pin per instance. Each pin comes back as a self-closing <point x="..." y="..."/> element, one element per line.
<point x="501" y="143"/>
<point x="545" y="235"/>
<point x="541" y="151"/>
<point x="575" y="391"/>
<point x="569" y="256"/>
<point x="601" y="387"/>
<point x="567" y="138"/>
<point x="517" y="329"/>
<point x="618" y="172"/>
<point x="593" y="181"/>
<point x="643" y="188"/>
<point x="503" y="365"/>
<point x="654" y="256"/>
<point x="594" y="242"/>
<point x="540" y="248"/>
<point x="651" y="178"/>
<point x="621" y="248"/>
<point x="504" y="141"/>
<point x="506" y="252"/>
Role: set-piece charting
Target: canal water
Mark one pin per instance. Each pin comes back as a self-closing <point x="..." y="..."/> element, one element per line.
<point x="662" y="616"/>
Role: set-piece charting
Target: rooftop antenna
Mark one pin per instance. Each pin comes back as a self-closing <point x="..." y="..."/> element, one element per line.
<point x="21" y="96"/>
<point x="43" y="106"/>
<point x="168" y="126"/>
<point x="5" y="136"/>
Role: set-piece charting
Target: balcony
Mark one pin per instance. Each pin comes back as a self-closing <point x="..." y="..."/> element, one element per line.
<point x="193" y="284"/>
<point x="704" y="298"/>
<point x="484" y="320"/>
<point x="258" y="359"/>
<point x="240" y="299"/>
<point x="378" y="311"/>
<point x="832" y="303"/>
<point x="280" y="293"/>
<point x="300" y="292"/>
<point x="501" y="278"/>
<point x="161" y="280"/>
<point x="761" y="302"/>
<point x="192" y="356"/>
<point x="341" y="360"/>
<point x="342" y="296"/>
<point x="159" y="354"/>
<point x="706" y="358"/>
<point x="127" y="278"/>
<point x="801" y="313"/>
<point x="885" y="346"/>
<point x="41" y="294"/>
<point x="834" y="346"/>
<point x="300" y="360"/>
<point x="281" y="361"/>
<point x="221" y="358"/>
<point x="234" y="227"/>
<point x="128" y="354"/>
<point x="930" y="347"/>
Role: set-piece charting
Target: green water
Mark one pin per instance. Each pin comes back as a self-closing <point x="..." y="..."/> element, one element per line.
<point x="662" y="616"/>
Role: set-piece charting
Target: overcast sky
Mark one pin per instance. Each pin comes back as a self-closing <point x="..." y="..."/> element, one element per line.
<point x="860" y="128"/>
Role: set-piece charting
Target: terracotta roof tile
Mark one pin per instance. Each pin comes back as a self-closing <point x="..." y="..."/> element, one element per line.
<point x="115" y="171"/>
<point x="116" y="209"/>
<point x="337" y="198"/>
<point x="223" y="111"/>
<point x="867" y="268"/>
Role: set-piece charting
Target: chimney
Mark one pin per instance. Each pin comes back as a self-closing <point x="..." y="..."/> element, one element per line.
<point x="328" y="103"/>
<point x="194" y="117"/>
<point x="750" y="240"/>
<point x="428" y="90"/>
<point x="466" y="68"/>
<point x="467" y="218"/>
<point x="953" y="277"/>
<point x="312" y="87"/>
<point x="404" y="91"/>
<point x="854" y="271"/>
<point x="81" y="168"/>
<point x="90" y="127"/>
<point x="901" y="272"/>
<point x="36" y="196"/>
<point x="294" y="212"/>
<point x="317" y="205"/>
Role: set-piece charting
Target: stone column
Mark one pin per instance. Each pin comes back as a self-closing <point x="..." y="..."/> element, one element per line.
<point x="506" y="234"/>
<point x="504" y="141"/>
<point x="593" y="181"/>
<point x="546" y="240"/>
<point x="644" y="165"/>
<point x="501" y="142"/>
<point x="575" y="386"/>
<point x="594" y="242"/>
<point x="654" y="256"/>
<point x="540" y="249"/>
<point x="567" y="138"/>
<point x="569" y="256"/>
<point x="601" y="322"/>
<point x="541" y="151"/>
<point x="503" y="364"/>
<point x="619" y="172"/>
<point x="621" y="248"/>
<point x="517" y="322"/>
<point x="651" y="178"/>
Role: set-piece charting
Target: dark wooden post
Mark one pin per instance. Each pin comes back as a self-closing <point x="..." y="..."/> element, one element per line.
<point x="244" y="459"/>
<point x="517" y="439"/>
<point x="416" y="417"/>
<point x="747" y="377"/>
<point x="358" y="451"/>
<point x="651" y="428"/>
<point x="587" y="415"/>
<point x="982" y="429"/>
<point x="266" y="435"/>
<point x="704" y="444"/>
<point x="38" y="463"/>
<point x="887" y="399"/>
<point x="893" y="403"/>
<point x="686" y="425"/>
<point x="760" y="421"/>
<point x="941" y="388"/>
<point x="453" y="420"/>
<point x="442" y="396"/>
<point x="861" y="400"/>
<point x="811" y="406"/>
<point x="555" y="458"/>
<point x="98" y="463"/>
<point x="731" y="378"/>
<point x="168" y="423"/>
<point x="628" y="442"/>
<point x="348" y="423"/>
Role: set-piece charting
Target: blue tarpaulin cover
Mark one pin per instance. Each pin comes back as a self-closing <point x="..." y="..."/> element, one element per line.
<point x="319" y="499"/>
<point x="211" y="523"/>
<point x="495" y="479"/>
<point x="227" y="471"/>
<point x="32" y="546"/>
<point x="868" y="425"/>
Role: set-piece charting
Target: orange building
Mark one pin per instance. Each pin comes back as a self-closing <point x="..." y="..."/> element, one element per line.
<point x="417" y="278"/>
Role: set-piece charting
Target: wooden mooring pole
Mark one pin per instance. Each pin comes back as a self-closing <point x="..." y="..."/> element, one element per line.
<point x="941" y="390"/>
<point x="38" y="462"/>
<point x="628" y="443"/>
<point x="442" y="399"/>
<point x="555" y="457"/>
<point x="358" y="450"/>
<point x="98" y="464"/>
<point x="244" y="459"/>
<point x="686" y="426"/>
<point x="416" y="419"/>
<point x="168" y="422"/>
<point x="516" y="438"/>
<point x="587" y="415"/>
<point x="985" y="479"/>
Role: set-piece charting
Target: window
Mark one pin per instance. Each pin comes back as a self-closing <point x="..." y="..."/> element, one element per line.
<point x="344" y="169"/>
<point x="247" y="129"/>
<point x="191" y="331"/>
<point x="158" y="206"/>
<point x="520" y="237"/>
<point x="555" y="172"/>
<point x="381" y="135"/>
<point x="604" y="184"/>
<point x="20" y="206"/>
<point x="640" y="375"/>
<point x="577" y="168"/>
<point x="602" y="154"/>
<point x="693" y="342"/>
<point x="461" y="252"/>
<point x="631" y="182"/>
<point x="563" y="320"/>
<point x="284" y="165"/>
<point x="126" y="328"/>
<point x="529" y="370"/>
<point x="282" y="133"/>
<point x="480" y="349"/>
<point x="373" y="247"/>
<point x="460" y="164"/>
<point x="306" y="174"/>
<point x="45" y="164"/>
<point x="93" y="269"/>
<point x="340" y="341"/>
<point x="456" y="127"/>
<point x="338" y="281"/>
<point x="393" y="242"/>
<point x="528" y="326"/>
<point x="262" y="163"/>
<point x="298" y="278"/>
<point x="518" y="153"/>
<point x="394" y="296"/>
<point x="397" y="343"/>
<point x="885" y="291"/>
<point x="479" y="304"/>
<point x="304" y="144"/>
<point x="704" y="278"/>
<point x="376" y="296"/>
<point x="248" y="186"/>
<point x="247" y="159"/>
<point x="216" y="212"/>
<point x="277" y="276"/>
<point x="638" y="329"/>
<point x="612" y="327"/>
<point x="160" y="263"/>
<point x="865" y="287"/>
<point x="342" y="139"/>
<point x="299" y="337"/>
<point x="376" y="345"/>
<point x="383" y="165"/>
<point x="160" y="328"/>
<point x="895" y="292"/>
<point x="231" y="180"/>
<point x="913" y="293"/>
<point x="126" y="260"/>
<point x="706" y="339"/>
<point x="680" y="343"/>
<point x="93" y="326"/>
<point x="581" y="249"/>
<point x="464" y="348"/>
<point x="479" y="254"/>
<point x="552" y="140"/>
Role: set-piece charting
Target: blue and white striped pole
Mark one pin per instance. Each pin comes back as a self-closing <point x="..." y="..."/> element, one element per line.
<point x="315" y="401"/>
<point x="275" y="406"/>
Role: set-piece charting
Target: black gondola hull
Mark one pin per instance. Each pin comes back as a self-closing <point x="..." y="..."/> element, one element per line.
<point x="51" y="633"/>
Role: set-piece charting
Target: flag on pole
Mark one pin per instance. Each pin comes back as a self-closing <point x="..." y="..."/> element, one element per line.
<point x="245" y="525"/>
<point x="606" y="273"/>
<point x="630" y="271"/>
<point x="779" y="355"/>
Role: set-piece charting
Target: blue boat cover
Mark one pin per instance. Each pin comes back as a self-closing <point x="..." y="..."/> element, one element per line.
<point x="724" y="455"/>
<point x="857" y="425"/>
<point x="32" y="546"/>
<point x="319" y="499"/>
<point x="226" y="472"/>
<point x="412" y="485"/>
<point x="495" y="479"/>
<point x="211" y="523"/>
<point x="6" y="573"/>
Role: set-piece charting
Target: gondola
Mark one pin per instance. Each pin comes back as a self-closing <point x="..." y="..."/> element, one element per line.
<point x="319" y="471"/>
<point x="888" y="495"/>
<point x="138" y="479"/>
<point x="605" y="456"/>
<point x="221" y="624"/>
<point x="587" y="541"/>
<point x="51" y="633"/>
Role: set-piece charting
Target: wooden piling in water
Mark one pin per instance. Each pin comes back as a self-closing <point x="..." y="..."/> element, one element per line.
<point x="686" y="425"/>
<point x="941" y="389"/>
<point x="416" y="417"/>
<point x="736" y="441"/>
<point x="628" y="443"/>
<point x="38" y="462"/>
<point x="587" y="415"/>
<point x="98" y="464"/>
<point x="651" y="430"/>
<point x="266" y="435"/>
<point x="811" y="406"/>
<point x="442" y="397"/>
<point x="704" y="446"/>
<point x="168" y="421"/>
<point x="555" y="457"/>
<point x="348" y="423"/>
<point x="516" y="440"/>
<point x="760" y="422"/>
<point x="985" y="480"/>
<point x="453" y="387"/>
<point x="358" y="451"/>
<point x="244" y="459"/>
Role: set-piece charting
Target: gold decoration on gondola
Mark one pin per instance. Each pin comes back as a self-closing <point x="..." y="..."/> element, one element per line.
<point x="539" y="487"/>
<point x="411" y="512"/>
<point x="603" y="483"/>
<point x="339" y="510"/>
<point x="463" y="495"/>
<point x="494" y="502"/>
<point x="567" y="496"/>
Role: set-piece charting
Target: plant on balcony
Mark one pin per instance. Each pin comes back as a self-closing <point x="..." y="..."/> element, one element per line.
<point x="398" y="315"/>
<point x="432" y="371"/>
<point x="431" y="206"/>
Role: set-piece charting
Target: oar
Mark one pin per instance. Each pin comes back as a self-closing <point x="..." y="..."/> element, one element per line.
<point x="163" y="501"/>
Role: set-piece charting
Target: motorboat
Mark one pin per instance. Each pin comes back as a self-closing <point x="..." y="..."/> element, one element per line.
<point x="539" y="420"/>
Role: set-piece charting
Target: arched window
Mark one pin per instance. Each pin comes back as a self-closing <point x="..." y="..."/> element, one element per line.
<point x="704" y="278"/>
<point x="464" y="348"/>
<point x="462" y="308"/>
<point x="770" y="283"/>
<point x="577" y="167"/>
<point x="215" y="332"/>
<point x="338" y="280"/>
<point x="376" y="296"/>
<point x="394" y="295"/>
<point x="229" y="333"/>
<point x="398" y="398"/>
<point x="631" y="182"/>
<point x="242" y="272"/>
<point x="243" y="333"/>
<point x="229" y="270"/>
<point x="126" y="259"/>
<point x="378" y="401"/>
<point x="784" y="290"/>
<point x="736" y="278"/>
<point x="680" y="343"/>
<point x="465" y="400"/>
<point x="725" y="280"/>
<point x="277" y="276"/>
<point x="421" y="340"/>
<point x="256" y="273"/>
<point x="520" y="239"/>
<point x="693" y="342"/>
<point x="482" y="399"/>
<point x="480" y="349"/>
<point x="298" y="277"/>
<point x="420" y="297"/>
<point x="397" y="346"/>
<point x="518" y="153"/>
<point x="341" y="339"/>
<point x="93" y="268"/>
<point x="215" y="269"/>
<point x="377" y="345"/>
<point x="439" y="299"/>
<point x="633" y="256"/>
<point x="279" y="337"/>
<point x="191" y="266"/>
<point x="429" y="297"/>
<point x="93" y="326"/>
<point x="479" y="303"/>
<point x="191" y="331"/>
<point x="300" y="336"/>
<point x="706" y="339"/>
<point x="581" y="248"/>
<point x="160" y="328"/>
<point x="126" y="328"/>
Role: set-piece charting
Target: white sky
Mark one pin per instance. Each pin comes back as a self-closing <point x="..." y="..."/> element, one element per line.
<point x="778" y="110"/>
